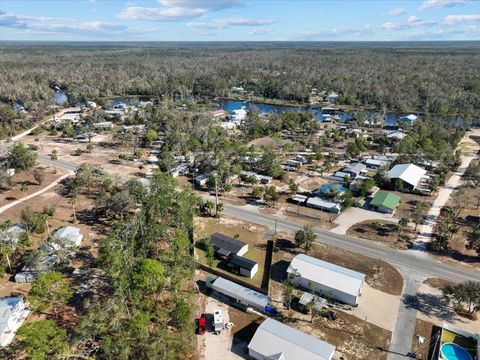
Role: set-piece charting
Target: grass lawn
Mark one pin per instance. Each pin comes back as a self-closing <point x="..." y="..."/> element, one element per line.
<point x="248" y="233"/>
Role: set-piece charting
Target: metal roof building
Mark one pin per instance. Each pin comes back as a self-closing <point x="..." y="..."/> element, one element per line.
<point x="409" y="173"/>
<point x="225" y="245"/>
<point x="69" y="233"/>
<point x="326" y="279"/>
<point x="239" y="293"/>
<point x="322" y="204"/>
<point x="243" y="266"/>
<point x="274" y="340"/>
<point x="12" y="315"/>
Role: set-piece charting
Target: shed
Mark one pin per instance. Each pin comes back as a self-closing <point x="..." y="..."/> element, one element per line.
<point x="325" y="278"/>
<point x="243" y="266"/>
<point x="13" y="313"/>
<point x="240" y="294"/>
<point x="274" y="340"/>
<point x="385" y="202"/>
<point x="225" y="245"/>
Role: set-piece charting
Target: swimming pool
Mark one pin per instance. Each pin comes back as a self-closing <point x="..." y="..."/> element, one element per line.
<point x="451" y="351"/>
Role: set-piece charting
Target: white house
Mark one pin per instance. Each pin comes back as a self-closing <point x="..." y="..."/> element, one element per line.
<point x="103" y="125"/>
<point x="13" y="313"/>
<point x="237" y="89"/>
<point x="326" y="279"/>
<point x="410" y="174"/>
<point x="409" y="118"/>
<point x="274" y="340"/>
<point x="238" y="115"/>
<point x="332" y="97"/>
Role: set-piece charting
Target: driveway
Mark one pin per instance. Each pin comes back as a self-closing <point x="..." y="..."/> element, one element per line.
<point x="219" y="347"/>
<point x="377" y="307"/>
<point x="354" y="215"/>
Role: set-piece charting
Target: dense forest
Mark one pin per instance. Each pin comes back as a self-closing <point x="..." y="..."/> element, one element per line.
<point x="438" y="78"/>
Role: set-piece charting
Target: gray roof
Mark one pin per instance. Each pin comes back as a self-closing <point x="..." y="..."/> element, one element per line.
<point x="7" y="308"/>
<point x="355" y="168"/>
<point x="328" y="274"/>
<point x="227" y="243"/>
<point x="70" y="233"/>
<point x="278" y="341"/>
<point x="12" y="234"/>
<point x="245" y="295"/>
<point x="243" y="262"/>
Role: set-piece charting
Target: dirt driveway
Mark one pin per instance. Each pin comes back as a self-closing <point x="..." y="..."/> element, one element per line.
<point x="221" y="347"/>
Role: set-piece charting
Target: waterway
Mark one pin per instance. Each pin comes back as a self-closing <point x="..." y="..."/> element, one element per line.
<point x="345" y="116"/>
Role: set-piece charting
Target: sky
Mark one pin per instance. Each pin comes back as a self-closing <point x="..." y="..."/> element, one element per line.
<point x="239" y="20"/>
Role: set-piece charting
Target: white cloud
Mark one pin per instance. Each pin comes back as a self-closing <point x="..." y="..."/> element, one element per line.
<point x="429" y="4"/>
<point x="229" y="22"/>
<point x="455" y="19"/>
<point x="413" y="19"/>
<point x="397" y="11"/>
<point x="259" y="32"/>
<point x="160" y="14"/>
<point x="174" y="10"/>
<point x="44" y="25"/>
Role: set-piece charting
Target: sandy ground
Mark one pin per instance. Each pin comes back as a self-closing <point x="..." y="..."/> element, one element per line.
<point x="426" y="231"/>
<point x="431" y="308"/>
<point x="354" y="215"/>
<point x="219" y="347"/>
<point x="377" y="307"/>
<point x="104" y="153"/>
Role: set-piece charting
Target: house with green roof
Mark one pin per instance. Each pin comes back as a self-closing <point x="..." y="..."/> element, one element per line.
<point x="385" y="202"/>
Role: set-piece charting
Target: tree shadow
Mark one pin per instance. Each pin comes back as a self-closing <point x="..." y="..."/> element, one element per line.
<point x="278" y="271"/>
<point x="431" y="305"/>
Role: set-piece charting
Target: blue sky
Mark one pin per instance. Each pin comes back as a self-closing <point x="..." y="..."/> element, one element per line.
<point x="239" y="20"/>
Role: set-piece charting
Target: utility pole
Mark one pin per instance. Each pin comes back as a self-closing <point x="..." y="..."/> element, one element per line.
<point x="216" y="195"/>
<point x="275" y="229"/>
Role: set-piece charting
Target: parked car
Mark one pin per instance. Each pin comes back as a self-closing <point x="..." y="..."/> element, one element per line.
<point x="202" y="325"/>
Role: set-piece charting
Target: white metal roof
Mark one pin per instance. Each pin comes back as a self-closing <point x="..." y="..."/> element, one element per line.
<point x="236" y="291"/>
<point x="410" y="173"/>
<point x="274" y="340"/>
<point x="327" y="274"/>
<point x="316" y="201"/>
<point x="7" y="308"/>
<point x="72" y="234"/>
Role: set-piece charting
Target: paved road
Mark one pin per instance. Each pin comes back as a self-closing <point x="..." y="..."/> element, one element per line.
<point x="402" y="335"/>
<point x="418" y="266"/>
<point x="425" y="266"/>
